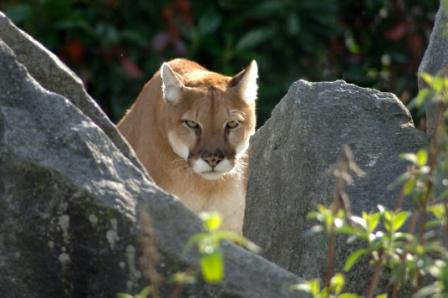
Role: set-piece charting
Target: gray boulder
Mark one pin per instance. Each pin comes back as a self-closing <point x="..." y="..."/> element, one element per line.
<point x="55" y="76"/>
<point x="435" y="61"/>
<point x="290" y="161"/>
<point x="436" y="55"/>
<point x="69" y="199"/>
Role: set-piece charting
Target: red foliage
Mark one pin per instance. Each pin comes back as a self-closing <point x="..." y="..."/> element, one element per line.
<point x="183" y="6"/>
<point x="397" y="32"/>
<point x="131" y="69"/>
<point x="73" y="51"/>
<point x="111" y="3"/>
<point x="416" y="46"/>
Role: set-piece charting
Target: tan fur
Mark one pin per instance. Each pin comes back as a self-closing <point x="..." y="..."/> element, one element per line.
<point x="212" y="100"/>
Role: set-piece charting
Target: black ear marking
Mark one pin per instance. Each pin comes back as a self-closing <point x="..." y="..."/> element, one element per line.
<point x="237" y="78"/>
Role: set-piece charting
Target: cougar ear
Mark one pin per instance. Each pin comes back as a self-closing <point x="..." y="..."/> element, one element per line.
<point x="245" y="83"/>
<point x="171" y="84"/>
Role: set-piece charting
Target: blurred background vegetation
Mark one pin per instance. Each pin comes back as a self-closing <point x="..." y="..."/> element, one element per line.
<point x="116" y="45"/>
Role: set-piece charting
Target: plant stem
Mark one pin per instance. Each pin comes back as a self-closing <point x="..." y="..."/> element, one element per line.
<point x="375" y="278"/>
<point x="330" y="259"/>
<point x="399" y="201"/>
<point x="395" y="290"/>
<point x="177" y="291"/>
<point x="434" y="151"/>
<point x="331" y="252"/>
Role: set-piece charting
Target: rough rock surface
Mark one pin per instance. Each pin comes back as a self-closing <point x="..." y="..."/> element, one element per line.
<point x="436" y="55"/>
<point x="68" y="201"/>
<point x="435" y="60"/>
<point x="290" y="161"/>
<point x="55" y="76"/>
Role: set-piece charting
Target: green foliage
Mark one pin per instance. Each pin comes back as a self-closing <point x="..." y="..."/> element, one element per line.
<point x="211" y="260"/>
<point x="209" y="246"/>
<point x="144" y="293"/>
<point x="115" y="47"/>
<point x="183" y="278"/>
<point x="334" y="290"/>
<point x="408" y="256"/>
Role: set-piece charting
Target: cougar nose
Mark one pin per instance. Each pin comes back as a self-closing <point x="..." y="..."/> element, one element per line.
<point x="213" y="159"/>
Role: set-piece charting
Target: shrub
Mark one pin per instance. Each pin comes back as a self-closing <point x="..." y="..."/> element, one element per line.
<point x="115" y="47"/>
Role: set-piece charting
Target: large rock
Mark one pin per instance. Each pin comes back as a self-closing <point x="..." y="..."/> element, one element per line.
<point x="435" y="61"/>
<point x="436" y="55"/>
<point x="69" y="200"/>
<point x="55" y="76"/>
<point x="290" y="161"/>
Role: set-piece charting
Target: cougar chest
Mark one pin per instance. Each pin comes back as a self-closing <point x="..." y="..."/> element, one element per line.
<point x="229" y="201"/>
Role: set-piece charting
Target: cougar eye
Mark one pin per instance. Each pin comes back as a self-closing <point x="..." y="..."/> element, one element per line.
<point x="191" y="124"/>
<point x="232" y="124"/>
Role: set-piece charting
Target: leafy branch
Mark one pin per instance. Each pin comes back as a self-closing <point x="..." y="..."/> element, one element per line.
<point x="408" y="257"/>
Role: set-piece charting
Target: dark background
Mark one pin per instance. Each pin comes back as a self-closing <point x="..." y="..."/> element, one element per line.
<point x="116" y="45"/>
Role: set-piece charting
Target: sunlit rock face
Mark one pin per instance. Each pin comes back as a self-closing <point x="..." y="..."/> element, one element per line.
<point x="291" y="162"/>
<point x="55" y="76"/>
<point x="435" y="61"/>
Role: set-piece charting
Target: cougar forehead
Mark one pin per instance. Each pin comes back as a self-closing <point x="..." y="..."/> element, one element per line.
<point x="212" y="112"/>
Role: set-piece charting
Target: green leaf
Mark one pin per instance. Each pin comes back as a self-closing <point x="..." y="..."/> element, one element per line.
<point x="431" y="224"/>
<point x="353" y="258"/>
<point x="324" y="293"/>
<point x="427" y="291"/>
<point x="443" y="278"/>
<point x="398" y="220"/>
<point x="144" y="293"/>
<point x="197" y="238"/>
<point x="373" y="220"/>
<point x="422" y="157"/>
<point x="409" y="186"/>
<point x="360" y="221"/>
<point x="253" y="39"/>
<point x="72" y="24"/>
<point x="426" y="77"/>
<point x="309" y="286"/>
<point x="388" y="215"/>
<point x="212" y="266"/>
<point x="352" y="45"/>
<point x="183" y="278"/>
<point x="209" y="22"/>
<point x="349" y="230"/>
<point x="422" y="96"/>
<point x="349" y="295"/>
<point x="293" y="24"/>
<point x="314" y="287"/>
<point x="438" y="210"/>
<point x="211" y="220"/>
<point x="304" y="287"/>
<point x="409" y="157"/>
<point x="124" y="295"/>
<point x="238" y="239"/>
<point x="437" y="84"/>
<point x="337" y="283"/>
<point x="384" y="295"/>
<point x="266" y="9"/>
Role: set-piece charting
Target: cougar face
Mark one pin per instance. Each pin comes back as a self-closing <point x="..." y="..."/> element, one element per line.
<point x="212" y="118"/>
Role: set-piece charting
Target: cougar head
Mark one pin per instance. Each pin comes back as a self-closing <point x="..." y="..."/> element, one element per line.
<point x="209" y="117"/>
